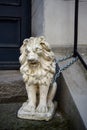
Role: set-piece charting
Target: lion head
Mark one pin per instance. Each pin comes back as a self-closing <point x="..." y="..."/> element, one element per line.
<point x="36" y="52"/>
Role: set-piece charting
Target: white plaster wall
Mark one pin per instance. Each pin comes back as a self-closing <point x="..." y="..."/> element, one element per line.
<point x="82" y="24"/>
<point x="55" y="20"/>
<point x="38" y="17"/>
<point x="59" y="21"/>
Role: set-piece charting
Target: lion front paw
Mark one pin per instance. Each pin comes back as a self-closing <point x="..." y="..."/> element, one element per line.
<point x="29" y="107"/>
<point x="42" y="108"/>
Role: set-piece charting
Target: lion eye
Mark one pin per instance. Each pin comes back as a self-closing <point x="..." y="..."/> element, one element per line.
<point x="27" y="51"/>
<point x="38" y="49"/>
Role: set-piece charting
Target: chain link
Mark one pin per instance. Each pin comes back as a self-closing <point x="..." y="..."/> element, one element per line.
<point x="64" y="58"/>
<point x="59" y="70"/>
<point x="69" y="64"/>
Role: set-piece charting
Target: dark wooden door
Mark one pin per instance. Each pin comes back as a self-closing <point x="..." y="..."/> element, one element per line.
<point x="15" y="26"/>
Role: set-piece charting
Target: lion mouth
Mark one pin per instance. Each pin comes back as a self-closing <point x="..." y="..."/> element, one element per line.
<point x="33" y="63"/>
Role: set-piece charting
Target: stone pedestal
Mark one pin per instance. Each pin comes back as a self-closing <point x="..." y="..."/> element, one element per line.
<point x="36" y="115"/>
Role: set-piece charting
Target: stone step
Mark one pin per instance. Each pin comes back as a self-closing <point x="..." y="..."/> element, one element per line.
<point x="10" y="121"/>
<point x="12" y="87"/>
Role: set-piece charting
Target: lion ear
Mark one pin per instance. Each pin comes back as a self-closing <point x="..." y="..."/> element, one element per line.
<point x="26" y="41"/>
<point x="42" y="38"/>
<point x="45" y="46"/>
<point x="22" y="48"/>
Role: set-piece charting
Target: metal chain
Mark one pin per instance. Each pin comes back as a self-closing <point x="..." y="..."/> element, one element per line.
<point x="64" y="58"/>
<point x="58" y="71"/>
<point x="69" y="64"/>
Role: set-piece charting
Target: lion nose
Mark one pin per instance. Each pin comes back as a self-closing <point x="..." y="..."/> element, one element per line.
<point x="31" y="58"/>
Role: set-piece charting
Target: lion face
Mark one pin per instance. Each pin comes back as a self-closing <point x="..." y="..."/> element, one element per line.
<point x="33" y="53"/>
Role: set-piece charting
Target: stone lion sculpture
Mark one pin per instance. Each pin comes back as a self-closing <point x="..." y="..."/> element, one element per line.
<point x="38" y="69"/>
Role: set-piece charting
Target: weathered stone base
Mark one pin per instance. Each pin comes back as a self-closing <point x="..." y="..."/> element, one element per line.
<point x="36" y="115"/>
<point x="9" y="121"/>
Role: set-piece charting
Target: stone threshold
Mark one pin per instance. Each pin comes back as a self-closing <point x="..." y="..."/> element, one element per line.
<point x="66" y="49"/>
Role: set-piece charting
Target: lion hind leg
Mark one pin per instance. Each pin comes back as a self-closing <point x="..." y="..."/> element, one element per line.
<point x="51" y="94"/>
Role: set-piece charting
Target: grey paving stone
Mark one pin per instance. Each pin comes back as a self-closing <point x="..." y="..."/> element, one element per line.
<point x="10" y="121"/>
